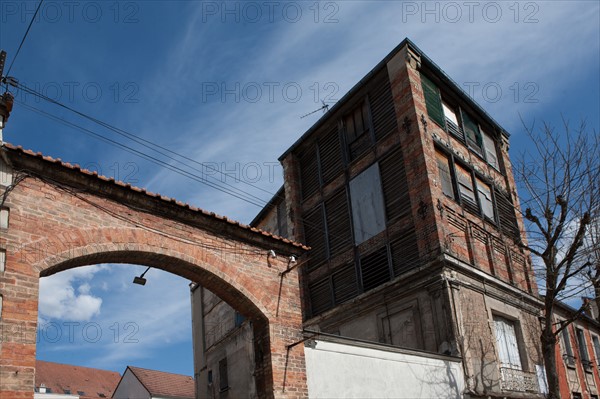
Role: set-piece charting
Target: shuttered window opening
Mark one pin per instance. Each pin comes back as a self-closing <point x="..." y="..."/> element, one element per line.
<point x="358" y="131"/>
<point x="472" y="133"/>
<point x="320" y="296"/>
<point x="314" y="234"/>
<point x="394" y="185"/>
<point x="485" y="199"/>
<point x="330" y="154"/>
<point x="508" y="347"/>
<point x="405" y="252"/>
<point x="464" y="180"/>
<point x="491" y="155"/>
<point x="382" y="108"/>
<point x="309" y="172"/>
<point x="506" y="214"/>
<point x="445" y="175"/>
<point x="433" y="101"/>
<point x="339" y="229"/>
<point x="452" y="124"/>
<point x="375" y="269"/>
<point x="368" y="214"/>
<point x="345" y="285"/>
<point x="582" y="346"/>
<point x="223" y="375"/>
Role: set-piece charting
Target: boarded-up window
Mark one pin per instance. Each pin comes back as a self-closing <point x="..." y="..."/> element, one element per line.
<point x="433" y="101"/>
<point x="339" y="230"/>
<point x="223" y="376"/>
<point x="508" y="347"/>
<point x="401" y="328"/>
<point x="472" y="133"/>
<point x="445" y="175"/>
<point x="465" y="186"/>
<point x="485" y="199"/>
<point x="394" y="185"/>
<point x="375" y="269"/>
<point x="490" y="150"/>
<point x="358" y="130"/>
<point x="367" y="204"/>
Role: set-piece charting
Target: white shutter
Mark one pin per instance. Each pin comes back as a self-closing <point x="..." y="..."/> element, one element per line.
<point x="508" y="347"/>
<point x="490" y="151"/>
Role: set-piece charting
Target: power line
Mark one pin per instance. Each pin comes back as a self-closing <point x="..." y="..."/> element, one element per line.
<point x="24" y="37"/>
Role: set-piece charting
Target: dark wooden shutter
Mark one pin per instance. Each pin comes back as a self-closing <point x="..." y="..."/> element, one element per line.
<point x="445" y="175"/>
<point x="223" y="376"/>
<point x="405" y="251"/>
<point x="394" y="185"/>
<point x="314" y="234"/>
<point x="345" y="285"/>
<point x="320" y="296"/>
<point x="309" y="171"/>
<point x="339" y="230"/>
<point x="433" y="100"/>
<point x="506" y="213"/>
<point x="383" y="112"/>
<point x="374" y="268"/>
<point x="330" y="154"/>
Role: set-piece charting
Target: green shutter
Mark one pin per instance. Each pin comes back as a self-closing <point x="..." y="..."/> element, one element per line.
<point x="433" y="100"/>
<point x="472" y="131"/>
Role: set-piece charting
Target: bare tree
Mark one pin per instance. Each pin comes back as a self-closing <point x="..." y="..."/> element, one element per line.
<point x="592" y="244"/>
<point x="559" y="178"/>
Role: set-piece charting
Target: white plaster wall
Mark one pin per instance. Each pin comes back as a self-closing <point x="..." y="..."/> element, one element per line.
<point x="130" y="388"/>
<point x="336" y="370"/>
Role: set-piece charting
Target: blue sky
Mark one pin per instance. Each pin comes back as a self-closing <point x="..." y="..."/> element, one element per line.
<point x="226" y="84"/>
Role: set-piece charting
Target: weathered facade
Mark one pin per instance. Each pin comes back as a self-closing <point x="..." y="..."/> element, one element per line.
<point x="405" y="194"/>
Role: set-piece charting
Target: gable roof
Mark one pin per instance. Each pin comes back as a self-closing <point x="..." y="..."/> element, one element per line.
<point x="66" y="377"/>
<point x="163" y="383"/>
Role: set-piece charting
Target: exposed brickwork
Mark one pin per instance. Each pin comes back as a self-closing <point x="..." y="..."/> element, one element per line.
<point x="61" y="218"/>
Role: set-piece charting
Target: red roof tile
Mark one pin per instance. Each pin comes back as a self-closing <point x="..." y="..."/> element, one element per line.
<point x="65" y="377"/>
<point x="165" y="384"/>
<point x="94" y="174"/>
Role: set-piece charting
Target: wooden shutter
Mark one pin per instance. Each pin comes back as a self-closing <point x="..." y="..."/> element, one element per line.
<point x="490" y="151"/>
<point x="375" y="269"/>
<point x="394" y="185"/>
<point x="485" y="199"/>
<point x="309" y="171"/>
<point x="382" y="107"/>
<point x="314" y="234"/>
<point x="339" y="230"/>
<point x="472" y="132"/>
<point x="330" y="154"/>
<point x="320" y="296"/>
<point x="345" y="285"/>
<point x="223" y="376"/>
<point x="405" y="251"/>
<point x="506" y="214"/>
<point x="445" y="175"/>
<point x="433" y="101"/>
<point x="466" y="188"/>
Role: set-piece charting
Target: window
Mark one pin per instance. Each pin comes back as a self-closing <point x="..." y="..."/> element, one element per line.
<point x="568" y="350"/>
<point x="596" y="343"/>
<point x="101" y="395"/>
<point x="491" y="155"/>
<point x="465" y="185"/>
<point x="223" y="377"/>
<point x="508" y="348"/>
<point x="577" y="395"/>
<point x="239" y="319"/>
<point x="445" y="174"/>
<point x="368" y="214"/>
<point x="67" y="391"/>
<point x="358" y="131"/>
<point x="472" y="133"/>
<point x="210" y="377"/>
<point x="433" y="100"/>
<point x="80" y="393"/>
<point x="485" y="199"/>
<point x="452" y="123"/>
<point x="583" y="353"/>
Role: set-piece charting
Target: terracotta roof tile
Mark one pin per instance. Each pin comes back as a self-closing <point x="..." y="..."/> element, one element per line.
<point x="57" y="161"/>
<point x="166" y="384"/>
<point x="65" y="377"/>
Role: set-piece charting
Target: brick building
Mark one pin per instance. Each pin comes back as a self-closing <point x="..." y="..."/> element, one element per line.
<point x="405" y="194"/>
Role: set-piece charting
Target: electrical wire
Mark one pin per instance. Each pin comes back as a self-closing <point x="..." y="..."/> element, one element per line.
<point x="24" y="37"/>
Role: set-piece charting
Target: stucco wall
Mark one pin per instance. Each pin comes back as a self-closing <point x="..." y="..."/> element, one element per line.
<point x="336" y="370"/>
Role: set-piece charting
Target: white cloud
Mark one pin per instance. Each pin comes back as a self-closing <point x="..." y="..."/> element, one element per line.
<point x="59" y="299"/>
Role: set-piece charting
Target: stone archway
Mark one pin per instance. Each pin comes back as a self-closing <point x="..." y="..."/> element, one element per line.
<point x="59" y="217"/>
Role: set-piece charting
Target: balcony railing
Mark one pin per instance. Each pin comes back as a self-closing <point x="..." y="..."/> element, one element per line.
<point x="518" y="380"/>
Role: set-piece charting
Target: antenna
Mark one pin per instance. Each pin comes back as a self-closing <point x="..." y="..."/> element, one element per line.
<point x="325" y="108"/>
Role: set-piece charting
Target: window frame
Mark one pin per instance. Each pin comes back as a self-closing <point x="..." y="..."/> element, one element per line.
<point x="582" y="349"/>
<point x="596" y="345"/>
<point x="568" y="355"/>
<point x="516" y="344"/>
<point x="362" y="107"/>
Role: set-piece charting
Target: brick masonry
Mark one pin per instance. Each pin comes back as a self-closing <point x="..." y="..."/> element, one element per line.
<point x="61" y="217"/>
